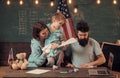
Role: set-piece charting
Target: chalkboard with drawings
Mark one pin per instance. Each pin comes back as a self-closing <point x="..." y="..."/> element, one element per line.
<point x="103" y="19"/>
<point x="16" y="21"/>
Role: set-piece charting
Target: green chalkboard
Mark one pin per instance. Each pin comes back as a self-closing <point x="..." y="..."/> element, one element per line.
<point x="16" y="21"/>
<point x="103" y="19"/>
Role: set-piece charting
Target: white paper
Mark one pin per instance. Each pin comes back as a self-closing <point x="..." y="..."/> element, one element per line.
<point x="38" y="71"/>
<point x="69" y="41"/>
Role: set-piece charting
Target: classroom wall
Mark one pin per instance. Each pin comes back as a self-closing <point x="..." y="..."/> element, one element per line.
<point x="18" y="47"/>
<point x="16" y="21"/>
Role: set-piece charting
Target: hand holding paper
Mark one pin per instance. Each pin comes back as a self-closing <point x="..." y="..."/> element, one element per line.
<point x="69" y="41"/>
<point x="49" y="46"/>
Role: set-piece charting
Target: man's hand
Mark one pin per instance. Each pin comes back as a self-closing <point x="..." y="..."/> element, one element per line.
<point x="87" y="65"/>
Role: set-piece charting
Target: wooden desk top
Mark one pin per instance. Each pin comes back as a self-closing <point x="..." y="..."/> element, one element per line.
<point x="82" y="73"/>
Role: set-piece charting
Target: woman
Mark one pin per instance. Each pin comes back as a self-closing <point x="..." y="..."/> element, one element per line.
<point x="38" y="57"/>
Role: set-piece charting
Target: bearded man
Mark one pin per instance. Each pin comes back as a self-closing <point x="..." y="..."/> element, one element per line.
<point x="86" y="52"/>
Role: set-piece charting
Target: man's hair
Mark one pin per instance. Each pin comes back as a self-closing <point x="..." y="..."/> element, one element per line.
<point x="37" y="28"/>
<point x="82" y="26"/>
<point x="58" y="16"/>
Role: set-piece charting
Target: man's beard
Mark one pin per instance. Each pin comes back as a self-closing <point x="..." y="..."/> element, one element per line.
<point x="83" y="42"/>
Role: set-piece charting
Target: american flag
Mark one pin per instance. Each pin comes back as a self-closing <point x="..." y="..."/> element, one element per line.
<point x="10" y="57"/>
<point x="68" y="28"/>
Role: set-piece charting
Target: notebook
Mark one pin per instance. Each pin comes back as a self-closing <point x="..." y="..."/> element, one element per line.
<point x="98" y="72"/>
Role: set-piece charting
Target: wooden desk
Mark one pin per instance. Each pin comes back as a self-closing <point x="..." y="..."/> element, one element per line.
<point x="82" y="73"/>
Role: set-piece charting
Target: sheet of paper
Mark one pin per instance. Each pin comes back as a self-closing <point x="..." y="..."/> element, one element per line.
<point x="38" y="71"/>
<point x="69" y="41"/>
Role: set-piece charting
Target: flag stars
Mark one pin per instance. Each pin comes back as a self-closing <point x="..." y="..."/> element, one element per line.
<point x="65" y="5"/>
<point x="59" y="2"/>
<point x="66" y="10"/>
<point x="64" y="13"/>
<point x="67" y="15"/>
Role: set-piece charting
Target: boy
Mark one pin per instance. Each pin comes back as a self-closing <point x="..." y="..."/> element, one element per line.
<point x="56" y="36"/>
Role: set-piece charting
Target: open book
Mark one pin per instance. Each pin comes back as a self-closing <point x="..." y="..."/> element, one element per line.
<point x="69" y="41"/>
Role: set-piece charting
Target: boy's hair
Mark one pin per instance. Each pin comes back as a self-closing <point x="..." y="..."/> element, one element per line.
<point x="58" y="16"/>
<point x="37" y="28"/>
<point x="82" y="26"/>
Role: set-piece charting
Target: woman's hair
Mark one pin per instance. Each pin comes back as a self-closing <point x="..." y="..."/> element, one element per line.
<point x="82" y="26"/>
<point x="37" y="28"/>
<point x="58" y="16"/>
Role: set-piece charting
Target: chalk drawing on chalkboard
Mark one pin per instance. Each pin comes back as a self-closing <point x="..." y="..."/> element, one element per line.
<point x="22" y="22"/>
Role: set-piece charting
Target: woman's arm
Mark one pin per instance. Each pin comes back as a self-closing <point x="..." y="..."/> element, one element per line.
<point x="38" y="56"/>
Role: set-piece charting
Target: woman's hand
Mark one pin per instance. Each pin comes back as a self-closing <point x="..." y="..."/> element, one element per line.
<point x="54" y="46"/>
<point x="46" y="53"/>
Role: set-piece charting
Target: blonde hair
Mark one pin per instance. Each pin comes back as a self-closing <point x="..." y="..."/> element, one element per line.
<point x="58" y="16"/>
